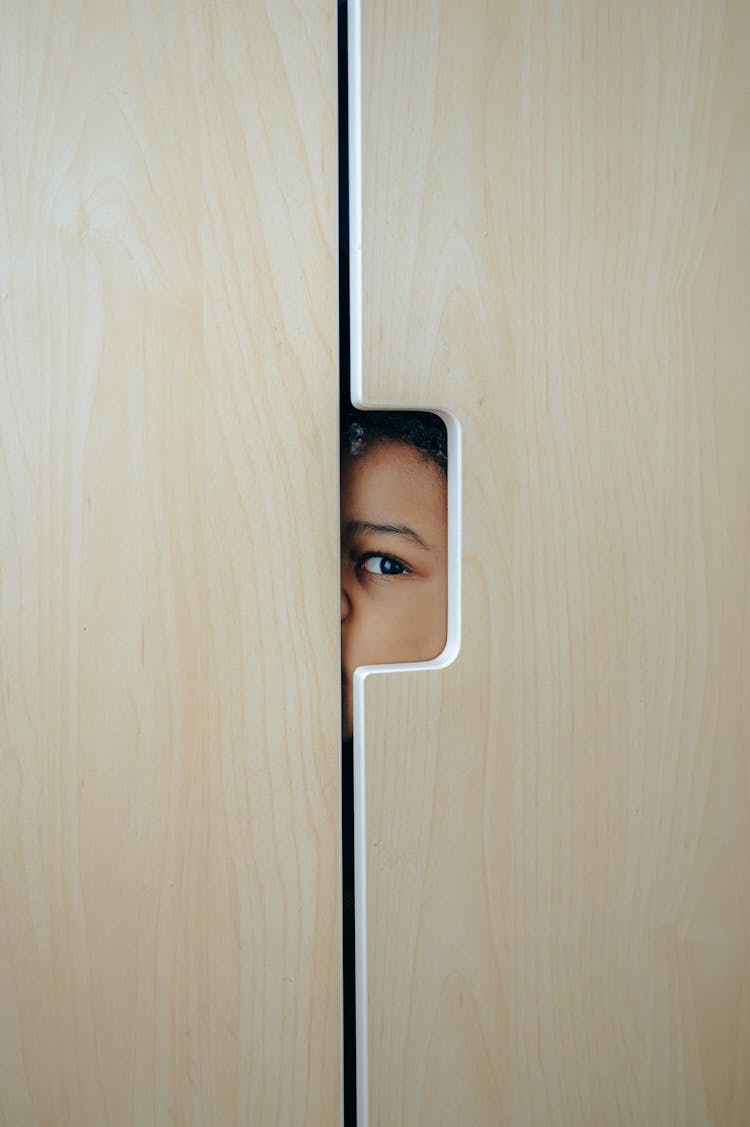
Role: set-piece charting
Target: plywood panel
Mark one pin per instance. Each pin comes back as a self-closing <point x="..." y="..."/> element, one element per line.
<point x="556" y="247"/>
<point x="169" y="740"/>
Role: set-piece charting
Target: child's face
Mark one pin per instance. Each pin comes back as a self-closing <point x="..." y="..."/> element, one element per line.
<point x="394" y="554"/>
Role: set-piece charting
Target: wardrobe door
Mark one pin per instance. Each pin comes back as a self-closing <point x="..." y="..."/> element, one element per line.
<point x="169" y="718"/>
<point x="556" y="248"/>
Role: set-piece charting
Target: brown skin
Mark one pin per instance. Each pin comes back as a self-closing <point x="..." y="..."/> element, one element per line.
<point x="394" y="584"/>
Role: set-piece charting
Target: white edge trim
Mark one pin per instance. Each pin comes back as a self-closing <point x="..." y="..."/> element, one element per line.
<point x="453" y="641"/>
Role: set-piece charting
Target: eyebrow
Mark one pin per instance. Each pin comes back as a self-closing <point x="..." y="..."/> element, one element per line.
<point x="358" y="527"/>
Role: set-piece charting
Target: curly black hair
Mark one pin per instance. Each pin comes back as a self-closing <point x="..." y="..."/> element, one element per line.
<point x="420" y="429"/>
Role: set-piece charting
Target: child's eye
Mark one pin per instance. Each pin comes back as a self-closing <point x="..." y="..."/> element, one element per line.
<point x="382" y="565"/>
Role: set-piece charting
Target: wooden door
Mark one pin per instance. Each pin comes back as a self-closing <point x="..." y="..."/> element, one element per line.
<point x="555" y="203"/>
<point x="169" y="719"/>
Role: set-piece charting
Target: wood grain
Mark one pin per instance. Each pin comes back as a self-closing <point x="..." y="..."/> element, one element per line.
<point x="169" y="740"/>
<point x="557" y="248"/>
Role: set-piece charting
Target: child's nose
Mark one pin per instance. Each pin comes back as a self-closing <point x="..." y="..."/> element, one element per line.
<point x="346" y="606"/>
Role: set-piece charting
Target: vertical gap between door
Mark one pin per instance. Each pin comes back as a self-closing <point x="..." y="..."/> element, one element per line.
<point x="349" y="1039"/>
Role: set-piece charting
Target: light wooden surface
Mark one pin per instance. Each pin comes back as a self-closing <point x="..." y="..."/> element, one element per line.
<point x="169" y="741"/>
<point x="557" y="248"/>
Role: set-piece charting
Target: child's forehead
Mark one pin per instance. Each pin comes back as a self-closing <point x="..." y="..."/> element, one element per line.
<point x="392" y="477"/>
<point x="384" y="456"/>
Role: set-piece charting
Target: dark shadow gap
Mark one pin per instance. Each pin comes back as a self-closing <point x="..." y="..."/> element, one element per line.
<point x="347" y="782"/>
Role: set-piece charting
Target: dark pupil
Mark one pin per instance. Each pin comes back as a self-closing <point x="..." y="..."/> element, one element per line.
<point x="389" y="566"/>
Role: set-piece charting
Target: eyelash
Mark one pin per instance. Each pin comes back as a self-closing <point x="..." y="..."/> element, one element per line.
<point x="361" y="560"/>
